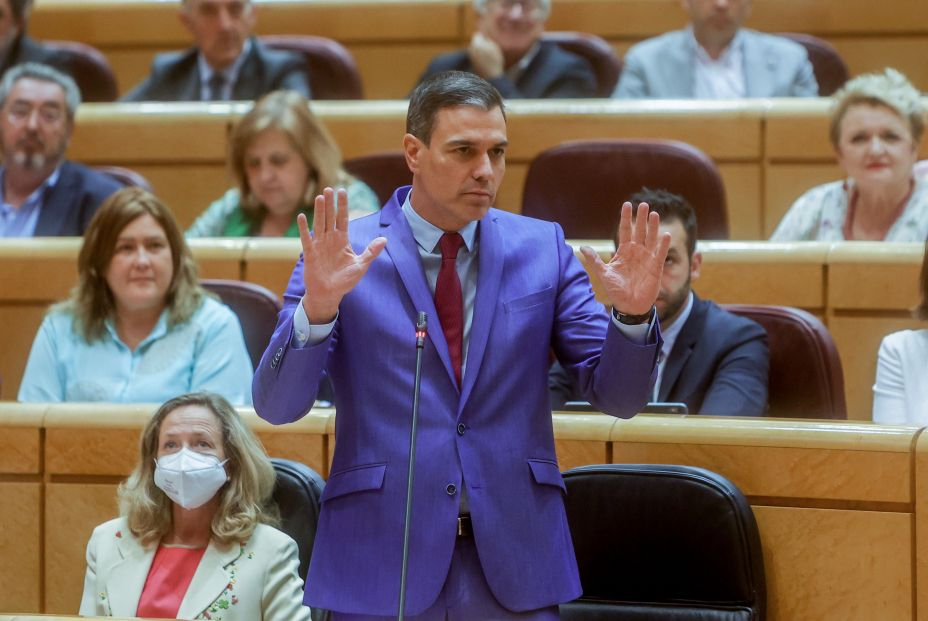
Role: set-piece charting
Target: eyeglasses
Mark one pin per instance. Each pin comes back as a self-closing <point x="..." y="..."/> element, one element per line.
<point x="528" y="7"/>
<point x="21" y="112"/>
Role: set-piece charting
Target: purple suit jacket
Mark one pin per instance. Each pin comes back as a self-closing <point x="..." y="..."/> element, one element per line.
<point x="494" y="435"/>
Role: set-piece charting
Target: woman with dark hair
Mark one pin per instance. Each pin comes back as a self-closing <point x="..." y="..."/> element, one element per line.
<point x="195" y="540"/>
<point x="900" y="394"/>
<point x="138" y="327"/>
<point x="281" y="156"/>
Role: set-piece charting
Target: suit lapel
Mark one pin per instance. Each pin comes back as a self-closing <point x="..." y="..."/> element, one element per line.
<point x="754" y="55"/>
<point x="682" y="349"/>
<point x="212" y="578"/>
<point x="52" y="215"/>
<point x="404" y="252"/>
<point x="126" y="578"/>
<point x="489" y="274"/>
<point x="248" y="81"/>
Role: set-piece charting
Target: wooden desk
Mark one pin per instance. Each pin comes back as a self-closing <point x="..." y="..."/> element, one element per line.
<point x="841" y="506"/>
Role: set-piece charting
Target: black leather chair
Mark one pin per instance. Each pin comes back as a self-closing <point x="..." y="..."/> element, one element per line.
<point x="384" y="172"/>
<point x="297" y="494"/>
<point x="582" y="184"/>
<point x="663" y="543"/>
<point x="256" y="308"/>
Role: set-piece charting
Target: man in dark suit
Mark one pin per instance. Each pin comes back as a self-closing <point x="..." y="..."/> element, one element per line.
<point x="226" y="62"/>
<point x="15" y="45"/>
<point x="711" y="360"/>
<point x="507" y="51"/>
<point x="42" y="194"/>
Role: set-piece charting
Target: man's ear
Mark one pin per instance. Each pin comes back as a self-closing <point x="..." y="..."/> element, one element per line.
<point x="695" y="264"/>
<point x="184" y="16"/>
<point x="412" y="147"/>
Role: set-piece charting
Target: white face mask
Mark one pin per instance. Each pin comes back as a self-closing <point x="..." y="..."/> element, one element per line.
<point x="190" y="478"/>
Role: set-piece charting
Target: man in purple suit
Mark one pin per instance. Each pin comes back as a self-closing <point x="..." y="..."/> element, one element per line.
<point x="489" y="537"/>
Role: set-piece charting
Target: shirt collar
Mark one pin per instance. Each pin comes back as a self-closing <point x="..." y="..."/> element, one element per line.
<point x="230" y="73"/>
<point x="670" y="332"/>
<point x="160" y="329"/>
<point x="427" y="234"/>
<point x="725" y="58"/>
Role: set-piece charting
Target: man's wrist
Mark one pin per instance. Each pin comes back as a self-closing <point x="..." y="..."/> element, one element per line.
<point x="632" y="320"/>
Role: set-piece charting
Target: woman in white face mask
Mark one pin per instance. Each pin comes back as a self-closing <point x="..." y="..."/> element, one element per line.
<point x="193" y="541"/>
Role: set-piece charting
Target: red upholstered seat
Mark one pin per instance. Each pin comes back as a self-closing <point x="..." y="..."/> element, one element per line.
<point x="582" y="184"/>
<point x="384" y="172"/>
<point x="256" y="308"/>
<point x="806" y="379"/>
<point x="830" y="71"/>
<point x="606" y="65"/>
<point x="89" y="68"/>
<point x="330" y="67"/>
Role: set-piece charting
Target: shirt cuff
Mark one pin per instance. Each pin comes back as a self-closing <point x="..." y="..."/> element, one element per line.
<point x="639" y="334"/>
<point x="305" y="333"/>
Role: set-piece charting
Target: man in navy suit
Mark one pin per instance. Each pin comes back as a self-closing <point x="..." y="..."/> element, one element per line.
<point x="225" y="63"/>
<point x="41" y="194"/>
<point x="507" y="50"/>
<point x="712" y="360"/>
<point x="489" y="536"/>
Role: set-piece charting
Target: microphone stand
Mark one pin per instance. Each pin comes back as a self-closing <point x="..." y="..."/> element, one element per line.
<point x="421" y="331"/>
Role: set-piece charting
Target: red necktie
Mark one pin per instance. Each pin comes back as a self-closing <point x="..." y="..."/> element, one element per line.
<point x="449" y="302"/>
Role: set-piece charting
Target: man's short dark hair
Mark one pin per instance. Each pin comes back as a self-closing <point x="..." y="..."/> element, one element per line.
<point x="446" y="90"/>
<point x="671" y="207"/>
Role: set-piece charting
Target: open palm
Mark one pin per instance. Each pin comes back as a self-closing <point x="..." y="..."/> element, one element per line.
<point x="631" y="279"/>
<point x="331" y="268"/>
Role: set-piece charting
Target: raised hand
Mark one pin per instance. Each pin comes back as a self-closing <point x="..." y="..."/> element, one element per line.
<point x="331" y="268"/>
<point x="486" y="57"/>
<point x="631" y="280"/>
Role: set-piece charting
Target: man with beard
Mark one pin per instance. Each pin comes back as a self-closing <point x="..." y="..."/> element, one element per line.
<point x="41" y="194"/>
<point x="712" y="360"/>
<point x="715" y="58"/>
<point x="225" y="63"/>
<point x="508" y="52"/>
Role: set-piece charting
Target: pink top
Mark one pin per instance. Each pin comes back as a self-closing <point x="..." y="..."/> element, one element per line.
<point x="171" y="571"/>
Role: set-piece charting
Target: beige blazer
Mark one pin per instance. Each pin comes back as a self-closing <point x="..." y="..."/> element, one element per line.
<point x="254" y="581"/>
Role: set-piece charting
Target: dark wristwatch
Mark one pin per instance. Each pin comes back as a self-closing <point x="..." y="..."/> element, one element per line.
<point x="633" y="320"/>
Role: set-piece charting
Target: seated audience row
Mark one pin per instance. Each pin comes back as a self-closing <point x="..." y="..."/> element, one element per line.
<point x="715" y="57"/>
<point x="195" y="538"/>
<point x="138" y="327"/>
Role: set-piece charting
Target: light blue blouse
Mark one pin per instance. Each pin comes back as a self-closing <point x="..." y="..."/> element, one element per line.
<point x="205" y="353"/>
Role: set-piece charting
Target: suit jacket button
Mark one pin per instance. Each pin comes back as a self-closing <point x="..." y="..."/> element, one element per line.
<point x="451" y="489"/>
<point x="461" y="429"/>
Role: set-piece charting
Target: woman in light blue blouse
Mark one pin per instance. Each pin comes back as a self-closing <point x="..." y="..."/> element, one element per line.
<point x="137" y="327"/>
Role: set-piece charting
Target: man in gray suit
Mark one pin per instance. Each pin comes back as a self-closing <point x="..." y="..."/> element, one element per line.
<point x="715" y="58"/>
<point x="226" y="62"/>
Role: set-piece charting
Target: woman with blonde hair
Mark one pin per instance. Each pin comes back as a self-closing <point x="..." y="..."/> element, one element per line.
<point x="195" y="539"/>
<point x="138" y="327"/>
<point x="282" y="157"/>
<point x="876" y="130"/>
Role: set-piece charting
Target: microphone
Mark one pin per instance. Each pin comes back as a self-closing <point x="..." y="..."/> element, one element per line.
<point x="421" y="332"/>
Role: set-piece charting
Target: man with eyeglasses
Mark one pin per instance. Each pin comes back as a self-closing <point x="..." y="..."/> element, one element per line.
<point x="41" y="194"/>
<point x="508" y="52"/>
<point x="226" y="62"/>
